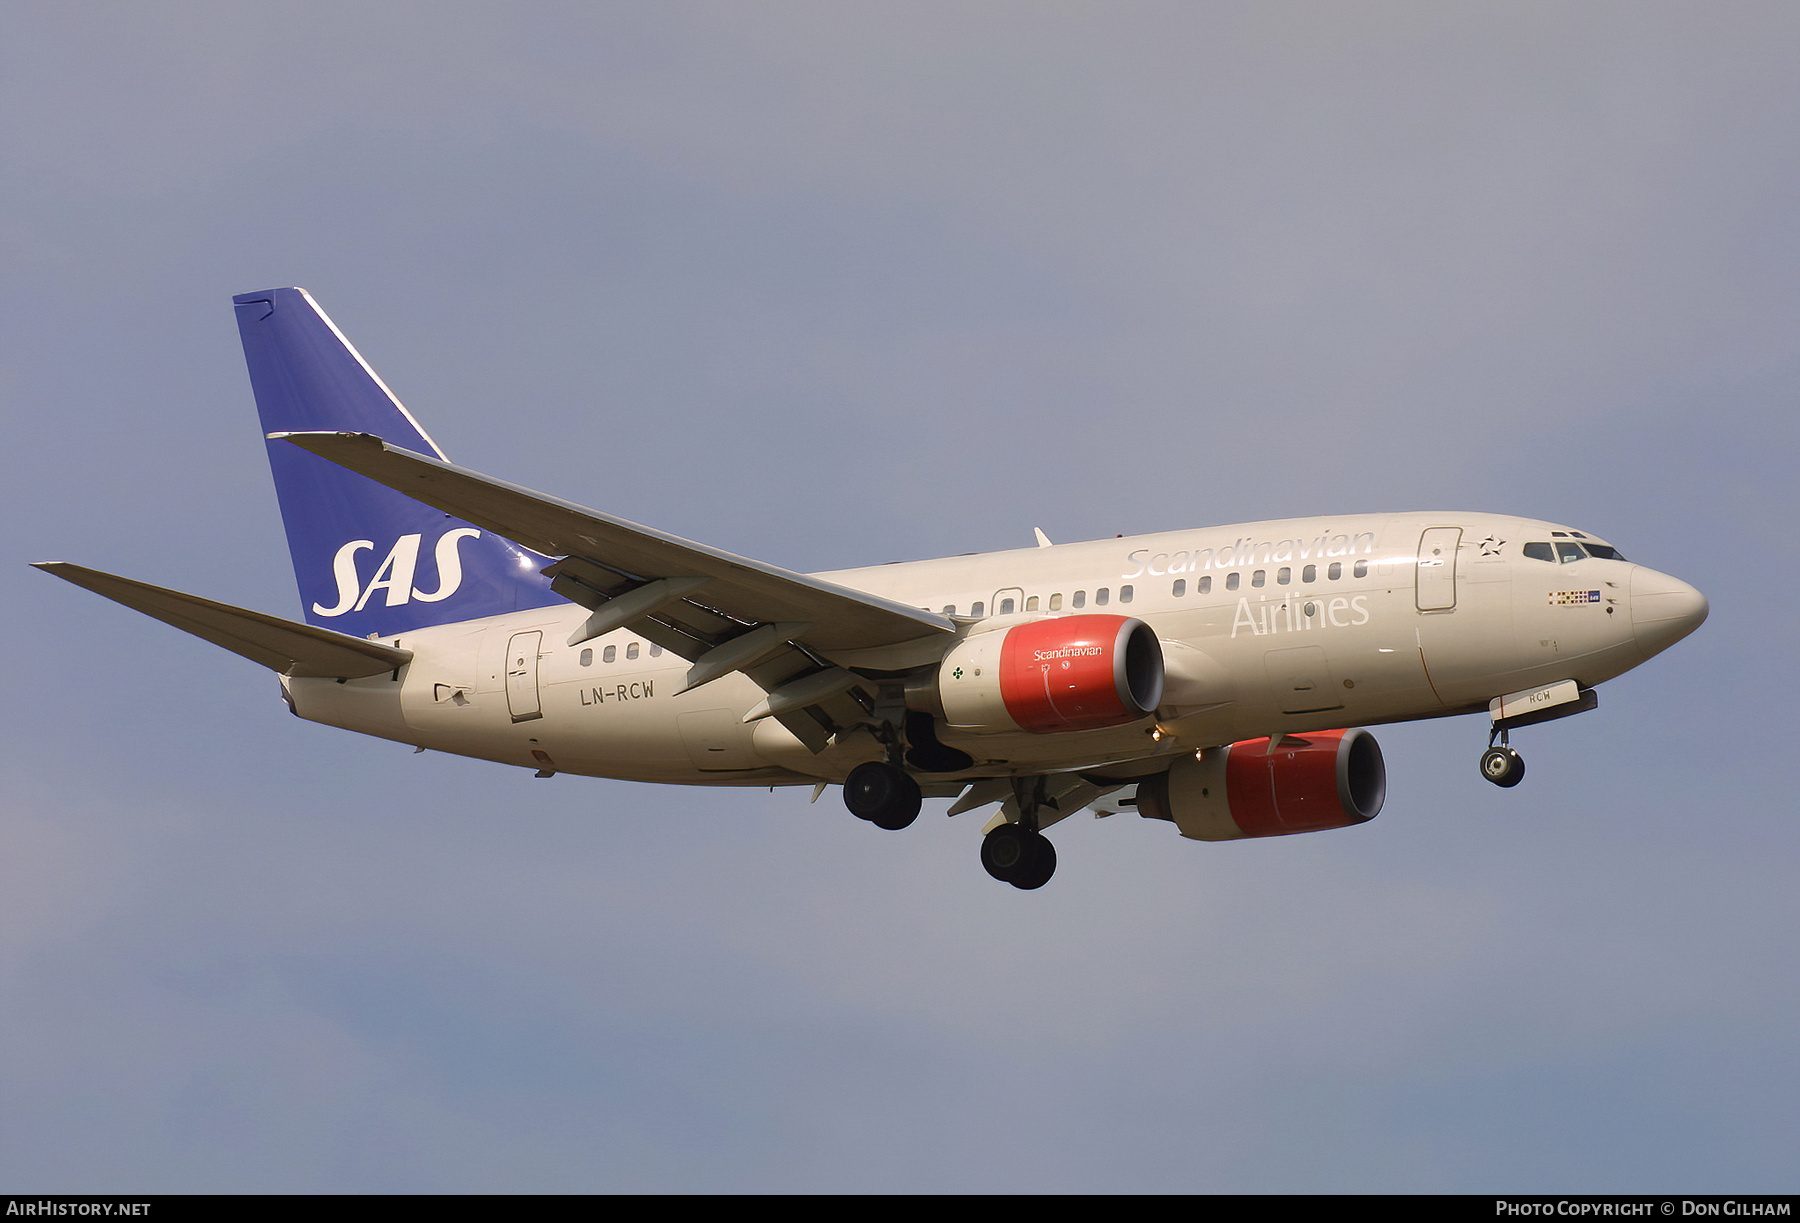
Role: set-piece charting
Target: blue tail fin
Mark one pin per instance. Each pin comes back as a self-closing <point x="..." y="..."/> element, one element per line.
<point x="370" y="561"/>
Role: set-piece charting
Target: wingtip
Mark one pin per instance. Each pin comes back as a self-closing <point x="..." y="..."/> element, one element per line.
<point x="307" y="439"/>
<point x="253" y="295"/>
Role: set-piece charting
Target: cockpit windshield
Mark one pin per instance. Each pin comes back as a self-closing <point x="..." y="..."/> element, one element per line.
<point x="1565" y="551"/>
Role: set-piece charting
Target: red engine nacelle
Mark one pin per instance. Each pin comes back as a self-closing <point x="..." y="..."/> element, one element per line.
<point x="1322" y="779"/>
<point x="1048" y="676"/>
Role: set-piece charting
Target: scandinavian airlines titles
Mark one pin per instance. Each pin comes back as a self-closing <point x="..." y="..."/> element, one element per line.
<point x="1249" y="551"/>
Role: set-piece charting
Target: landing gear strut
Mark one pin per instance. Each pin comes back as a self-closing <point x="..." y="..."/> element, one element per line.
<point x="883" y="795"/>
<point x="1500" y="764"/>
<point x="1018" y="853"/>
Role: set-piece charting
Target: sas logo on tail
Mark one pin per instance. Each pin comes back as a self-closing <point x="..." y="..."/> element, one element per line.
<point x="395" y="574"/>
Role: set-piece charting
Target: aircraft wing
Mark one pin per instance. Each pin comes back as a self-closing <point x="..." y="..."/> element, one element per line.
<point x="837" y="617"/>
<point x="280" y="645"/>
<point x="721" y="612"/>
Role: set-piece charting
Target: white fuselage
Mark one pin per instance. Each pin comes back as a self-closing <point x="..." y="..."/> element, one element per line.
<point x="1285" y="626"/>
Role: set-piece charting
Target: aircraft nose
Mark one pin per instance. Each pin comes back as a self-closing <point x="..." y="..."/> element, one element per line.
<point x="1663" y="609"/>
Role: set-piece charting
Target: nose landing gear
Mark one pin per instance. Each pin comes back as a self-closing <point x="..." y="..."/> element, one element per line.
<point x="1501" y="764"/>
<point x="1545" y="703"/>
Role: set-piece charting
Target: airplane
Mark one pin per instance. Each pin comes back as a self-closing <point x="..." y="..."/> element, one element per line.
<point x="1220" y="679"/>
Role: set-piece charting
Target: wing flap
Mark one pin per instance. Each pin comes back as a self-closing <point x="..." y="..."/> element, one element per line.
<point x="1064" y="794"/>
<point x="280" y="645"/>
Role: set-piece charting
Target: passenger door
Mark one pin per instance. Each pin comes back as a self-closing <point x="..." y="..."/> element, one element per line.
<point x="522" y="676"/>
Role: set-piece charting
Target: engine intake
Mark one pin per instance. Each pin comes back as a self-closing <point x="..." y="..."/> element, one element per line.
<point x="1049" y="676"/>
<point x="1322" y="779"/>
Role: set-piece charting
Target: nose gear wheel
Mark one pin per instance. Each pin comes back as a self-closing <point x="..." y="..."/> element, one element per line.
<point x="1500" y="764"/>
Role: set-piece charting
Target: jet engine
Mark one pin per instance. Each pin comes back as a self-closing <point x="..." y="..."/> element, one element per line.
<point x="1322" y="779"/>
<point x="1047" y="676"/>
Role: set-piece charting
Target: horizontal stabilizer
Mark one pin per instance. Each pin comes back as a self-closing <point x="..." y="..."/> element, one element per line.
<point x="280" y="645"/>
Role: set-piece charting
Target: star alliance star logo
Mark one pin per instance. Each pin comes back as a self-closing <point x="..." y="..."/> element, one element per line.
<point x="1491" y="546"/>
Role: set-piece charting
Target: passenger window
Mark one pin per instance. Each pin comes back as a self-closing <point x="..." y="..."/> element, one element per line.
<point x="1180" y="587"/>
<point x="1335" y="572"/>
<point x="1231" y="581"/>
<point x="1283" y="576"/>
<point x="1310" y="574"/>
<point x="1101" y="596"/>
<point x="978" y="608"/>
<point x="656" y="651"/>
<point x="1259" y="577"/>
<point x="1006" y="607"/>
<point x="1079" y="599"/>
<point x="587" y="658"/>
<point x="1056" y="602"/>
<point x="631" y="651"/>
<point x="1205" y="586"/>
<point x="609" y="653"/>
<point x="949" y="609"/>
<point x="1362" y="569"/>
<point x="1031" y="603"/>
<point x="1126" y="593"/>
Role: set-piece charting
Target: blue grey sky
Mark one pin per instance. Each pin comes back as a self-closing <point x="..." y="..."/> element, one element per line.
<point x="833" y="284"/>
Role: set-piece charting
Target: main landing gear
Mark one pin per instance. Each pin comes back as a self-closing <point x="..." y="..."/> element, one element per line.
<point x="1017" y="853"/>
<point x="1020" y="856"/>
<point x="882" y="794"/>
<point x="1500" y="764"/>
